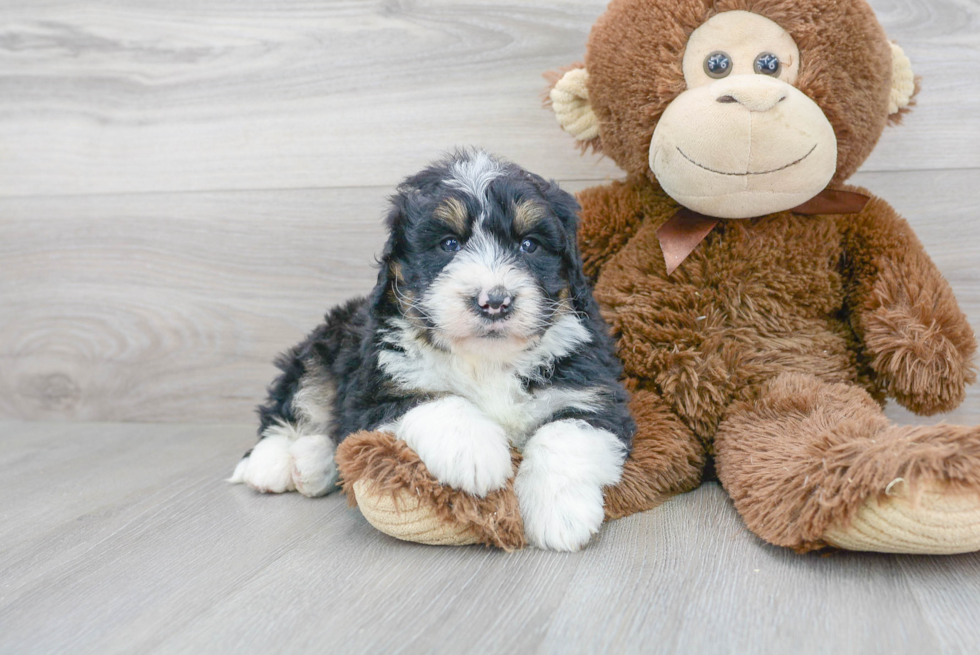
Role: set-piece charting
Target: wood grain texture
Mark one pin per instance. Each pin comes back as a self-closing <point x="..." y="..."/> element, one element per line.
<point x="171" y="307"/>
<point x="123" y="538"/>
<point x="151" y="96"/>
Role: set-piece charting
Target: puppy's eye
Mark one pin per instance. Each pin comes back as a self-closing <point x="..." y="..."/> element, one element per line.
<point x="529" y="245"/>
<point x="450" y="244"/>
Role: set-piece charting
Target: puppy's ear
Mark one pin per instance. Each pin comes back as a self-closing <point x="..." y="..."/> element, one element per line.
<point x="562" y="203"/>
<point x="387" y="261"/>
<point x="567" y="208"/>
<point x="581" y="290"/>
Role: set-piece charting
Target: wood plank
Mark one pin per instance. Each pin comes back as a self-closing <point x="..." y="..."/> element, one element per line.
<point x="696" y="581"/>
<point x="133" y="543"/>
<point x="930" y="578"/>
<point x="129" y="97"/>
<point x="141" y="301"/>
<point x="171" y="307"/>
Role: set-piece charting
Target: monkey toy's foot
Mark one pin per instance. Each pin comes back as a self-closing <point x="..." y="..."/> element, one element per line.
<point x="395" y="492"/>
<point x="922" y="493"/>
<point x="811" y="464"/>
<point x="933" y="519"/>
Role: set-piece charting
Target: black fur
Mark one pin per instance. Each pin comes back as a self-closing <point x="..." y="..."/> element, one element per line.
<point x="343" y="352"/>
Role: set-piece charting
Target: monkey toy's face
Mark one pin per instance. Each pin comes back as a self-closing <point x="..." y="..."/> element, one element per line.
<point x="742" y="141"/>
<point x="737" y="108"/>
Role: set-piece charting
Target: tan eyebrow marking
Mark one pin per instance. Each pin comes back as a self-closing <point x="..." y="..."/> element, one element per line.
<point x="453" y="213"/>
<point x="527" y="215"/>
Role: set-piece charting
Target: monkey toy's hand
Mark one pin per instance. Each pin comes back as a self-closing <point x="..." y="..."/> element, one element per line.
<point x="920" y="342"/>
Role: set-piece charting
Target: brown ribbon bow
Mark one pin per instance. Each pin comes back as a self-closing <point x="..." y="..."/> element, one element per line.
<point x="680" y="235"/>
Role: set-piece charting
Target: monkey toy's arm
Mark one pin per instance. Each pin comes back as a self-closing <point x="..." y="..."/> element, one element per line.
<point x="915" y="335"/>
<point x="611" y="215"/>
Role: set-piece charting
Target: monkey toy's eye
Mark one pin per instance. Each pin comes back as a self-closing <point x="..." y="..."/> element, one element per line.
<point x="717" y="64"/>
<point x="450" y="244"/>
<point x="529" y="245"/>
<point x="767" y="64"/>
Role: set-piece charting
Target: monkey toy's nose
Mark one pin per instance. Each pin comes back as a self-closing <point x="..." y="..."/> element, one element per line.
<point x="754" y="92"/>
<point x="495" y="303"/>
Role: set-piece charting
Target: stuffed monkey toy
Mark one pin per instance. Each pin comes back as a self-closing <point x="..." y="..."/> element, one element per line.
<point x="764" y="309"/>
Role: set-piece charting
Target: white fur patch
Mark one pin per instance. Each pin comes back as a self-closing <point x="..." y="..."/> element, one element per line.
<point x="494" y="385"/>
<point x="286" y="459"/>
<point x="238" y="477"/>
<point x="460" y="445"/>
<point x="268" y="467"/>
<point x="474" y="174"/>
<point x="314" y="470"/>
<point x="559" y="483"/>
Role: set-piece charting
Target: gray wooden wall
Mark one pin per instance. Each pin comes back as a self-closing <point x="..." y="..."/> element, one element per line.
<point x="186" y="185"/>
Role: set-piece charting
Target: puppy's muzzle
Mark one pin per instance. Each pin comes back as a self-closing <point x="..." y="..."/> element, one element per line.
<point x="495" y="304"/>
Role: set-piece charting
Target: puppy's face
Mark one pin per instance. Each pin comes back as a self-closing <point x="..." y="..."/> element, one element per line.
<point x="480" y="255"/>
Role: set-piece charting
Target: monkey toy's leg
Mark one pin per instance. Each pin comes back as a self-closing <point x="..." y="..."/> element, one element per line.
<point x="810" y="464"/>
<point x="395" y="492"/>
<point x="398" y="496"/>
<point x="666" y="459"/>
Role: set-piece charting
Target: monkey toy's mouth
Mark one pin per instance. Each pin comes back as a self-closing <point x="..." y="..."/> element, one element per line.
<point x="741" y="159"/>
<point x="773" y="170"/>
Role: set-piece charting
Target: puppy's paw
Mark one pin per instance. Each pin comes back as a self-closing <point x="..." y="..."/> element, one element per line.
<point x="268" y="467"/>
<point x="313" y="470"/>
<point x="565" y="521"/>
<point x="559" y="484"/>
<point x="286" y="460"/>
<point x="460" y="446"/>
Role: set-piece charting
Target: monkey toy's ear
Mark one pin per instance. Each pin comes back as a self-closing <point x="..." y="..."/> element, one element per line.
<point x="570" y="102"/>
<point x="903" y="83"/>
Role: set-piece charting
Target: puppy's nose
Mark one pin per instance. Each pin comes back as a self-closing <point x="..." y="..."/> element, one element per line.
<point x="495" y="303"/>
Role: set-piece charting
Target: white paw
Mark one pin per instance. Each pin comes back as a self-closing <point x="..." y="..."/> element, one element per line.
<point x="460" y="446"/>
<point x="559" y="484"/>
<point x="313" y="470"/>
<point x="566" y="521"/>
<point x="286" y="460"/>
<point x="268" y="467"/>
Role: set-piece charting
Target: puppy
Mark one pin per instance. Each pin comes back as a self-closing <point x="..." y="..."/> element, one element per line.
<point x="481" y="334"/>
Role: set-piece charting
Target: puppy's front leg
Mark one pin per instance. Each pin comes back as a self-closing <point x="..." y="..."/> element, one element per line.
<point x="459" y="444"/>
<point x="559" y="483"/>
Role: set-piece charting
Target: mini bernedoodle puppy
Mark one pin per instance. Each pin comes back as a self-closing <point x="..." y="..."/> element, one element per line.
<point x="481" y="334"/>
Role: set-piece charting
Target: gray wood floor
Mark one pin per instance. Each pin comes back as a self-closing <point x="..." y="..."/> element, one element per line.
<point x="185" y="186"/>
<point x="123" y="538"/>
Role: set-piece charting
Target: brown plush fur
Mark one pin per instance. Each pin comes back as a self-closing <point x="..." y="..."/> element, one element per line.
<point x="847" y="300"/>
<point x="634" y="61"/>
<point x="806" y="454"/>
<point x="667" y="458"/>
<point x="393" y="466"/>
